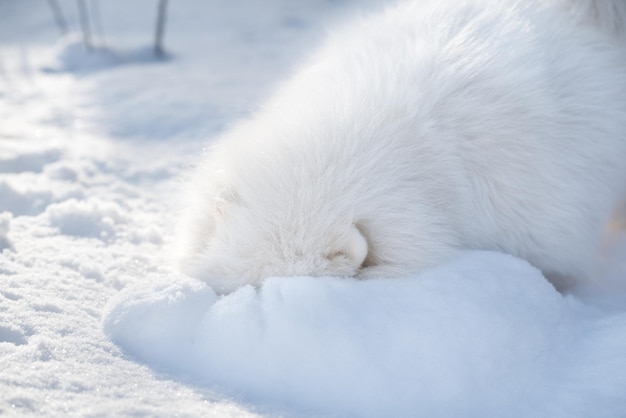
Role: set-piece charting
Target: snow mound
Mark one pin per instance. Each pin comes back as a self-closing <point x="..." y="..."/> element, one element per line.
<point x="483" y="335"/>
<point x="90" y="218"/>
<point x="27" y="160"/>
<point x="21" y="197"/>
<point x="71" y="55"/>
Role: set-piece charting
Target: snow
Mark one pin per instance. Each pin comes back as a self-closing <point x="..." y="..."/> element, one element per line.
<point x="483" y="335"/>
<point x="95" y="321"/>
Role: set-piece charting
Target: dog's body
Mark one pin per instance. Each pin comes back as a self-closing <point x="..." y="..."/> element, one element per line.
<point x="432" y="127"/>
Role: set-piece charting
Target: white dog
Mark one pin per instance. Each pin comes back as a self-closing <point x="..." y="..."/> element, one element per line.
<point x="432" y="127"/>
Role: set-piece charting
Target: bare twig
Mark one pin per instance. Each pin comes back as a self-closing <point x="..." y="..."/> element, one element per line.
<point x="58" y="16"/>
<point x="84" y="23"/>
<point x="97" y="20"/>
<point x="160" y="28"/>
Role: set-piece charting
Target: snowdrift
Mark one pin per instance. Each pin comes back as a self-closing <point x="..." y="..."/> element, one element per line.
<point x="483" y="335"/>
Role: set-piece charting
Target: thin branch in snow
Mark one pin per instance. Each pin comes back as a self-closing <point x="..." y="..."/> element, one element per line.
<point x="84" y="23"/>
<point x="97" y="20"/>
<point x="58" y="16"/>
<point x="160" y="28"/>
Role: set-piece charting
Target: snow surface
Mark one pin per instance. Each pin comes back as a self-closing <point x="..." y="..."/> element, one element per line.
<point x="94" y="321"/>
<point x="484" y="335"/>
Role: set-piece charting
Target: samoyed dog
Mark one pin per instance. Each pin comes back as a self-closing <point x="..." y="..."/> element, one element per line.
<point x="429" y="128"/>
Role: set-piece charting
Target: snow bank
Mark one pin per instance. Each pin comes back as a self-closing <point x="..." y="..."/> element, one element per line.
<point x="484" y="335"/>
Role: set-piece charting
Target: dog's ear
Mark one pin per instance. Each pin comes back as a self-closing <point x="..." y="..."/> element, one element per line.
<point x="352" y="251"/>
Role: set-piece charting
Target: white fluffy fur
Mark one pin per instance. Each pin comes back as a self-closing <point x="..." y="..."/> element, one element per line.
<point x="431" y="127"/>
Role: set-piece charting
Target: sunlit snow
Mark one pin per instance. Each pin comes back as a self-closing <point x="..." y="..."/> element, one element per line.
<point x="95" y="321"/>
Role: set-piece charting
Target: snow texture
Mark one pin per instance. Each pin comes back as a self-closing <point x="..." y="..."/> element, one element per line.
<point x="483" y="335"/>
<point x="95" y="322"/>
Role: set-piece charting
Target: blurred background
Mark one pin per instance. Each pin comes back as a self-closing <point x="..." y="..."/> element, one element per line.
<point x="220" y="57"/>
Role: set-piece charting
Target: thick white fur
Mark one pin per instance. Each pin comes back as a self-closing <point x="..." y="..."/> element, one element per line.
<point x="431" y="127"/>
